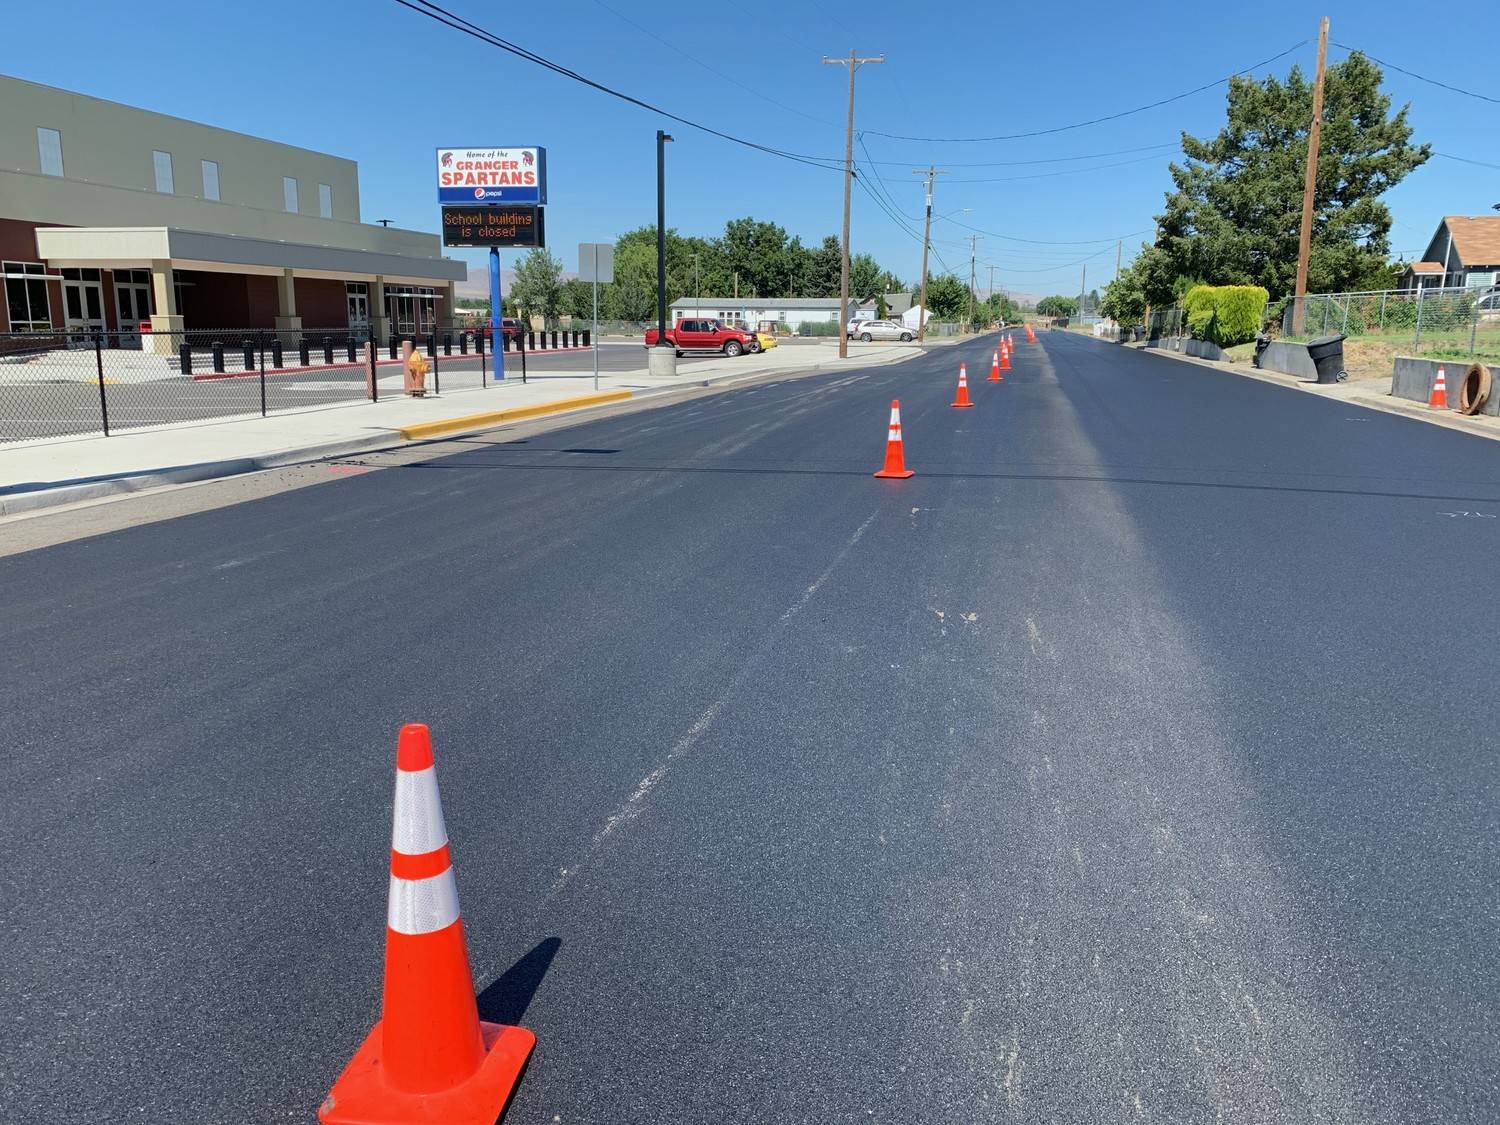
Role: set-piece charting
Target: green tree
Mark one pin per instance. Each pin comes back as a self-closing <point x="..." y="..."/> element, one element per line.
<point x="1057" y="306"/>
<point x="1124" y="299"/>
<point x="1236" y="213"/>
<point x="947" y="297"/>
<point x="866" y="278"/>
<point x="538" y="286"/>
<point x="822" y="279"/>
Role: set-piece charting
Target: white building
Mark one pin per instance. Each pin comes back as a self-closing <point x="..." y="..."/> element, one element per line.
<point x="790" y="311"/>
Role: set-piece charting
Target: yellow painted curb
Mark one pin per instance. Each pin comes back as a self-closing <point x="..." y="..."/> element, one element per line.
<point x="515" y="414"/>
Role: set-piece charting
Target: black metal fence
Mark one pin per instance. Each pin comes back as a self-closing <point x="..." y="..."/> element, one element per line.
<point x="56" y="384"/>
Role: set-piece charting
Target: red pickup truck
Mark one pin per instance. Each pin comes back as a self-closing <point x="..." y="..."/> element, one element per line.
<point x="695" y="335"/>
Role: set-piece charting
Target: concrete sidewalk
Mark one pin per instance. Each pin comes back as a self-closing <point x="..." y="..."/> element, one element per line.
<point x="42" y="474"/>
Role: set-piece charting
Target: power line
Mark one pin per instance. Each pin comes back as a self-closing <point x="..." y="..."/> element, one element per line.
<point x="1466" y="160"/>
<point x="1419" y="77"/>
<point x="1040" y="160"/>
<point x="1060" y="172"/>
<point x="1049" y="242"/>
<point x="643" y="29"/>
<point x="441" y="15"/>
<point x="1094" y="120"/>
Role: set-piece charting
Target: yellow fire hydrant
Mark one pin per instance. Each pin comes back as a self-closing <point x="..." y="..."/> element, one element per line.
<point x="416" y="371"/>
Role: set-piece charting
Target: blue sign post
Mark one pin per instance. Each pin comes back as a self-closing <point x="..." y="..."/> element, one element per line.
<point x="497" y="335"/>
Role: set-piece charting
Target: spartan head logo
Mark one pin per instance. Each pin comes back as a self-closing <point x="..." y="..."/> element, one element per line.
<point x="447" y="159"/>
<point x="527" y="158"/>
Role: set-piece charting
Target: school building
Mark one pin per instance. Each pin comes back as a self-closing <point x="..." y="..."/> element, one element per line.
<point x="113" y="217"/>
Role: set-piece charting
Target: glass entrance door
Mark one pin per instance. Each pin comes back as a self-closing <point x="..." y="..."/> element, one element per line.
<point x="83" y="301"/>
<point x="132" y="304"/>
<point x="358" y="295"/>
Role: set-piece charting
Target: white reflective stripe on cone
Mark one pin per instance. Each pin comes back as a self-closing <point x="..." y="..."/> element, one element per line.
<point x="895" y="417"/>
<point x="418" y="826"/>
<point x="422" y="906"/>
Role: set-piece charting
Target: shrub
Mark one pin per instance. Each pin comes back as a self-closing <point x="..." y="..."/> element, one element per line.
<point x="817" y="328"/>
<point x="1237" y="313"/>
<point x="1224" y="314"/>
<point x="1198" y="308"/>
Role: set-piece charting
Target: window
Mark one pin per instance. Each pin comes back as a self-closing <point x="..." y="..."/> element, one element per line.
<point x="211" y="179"/>
<point x="26" y="296"/>
<point x="289" y="194"/>
<point x="325" y="201"/>
<point x="163" y="164"/>
<point x="49" y="149"/>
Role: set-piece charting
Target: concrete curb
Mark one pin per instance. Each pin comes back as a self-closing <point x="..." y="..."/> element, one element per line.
<point x="42" y="498"/>
<point x="448" y="426"/>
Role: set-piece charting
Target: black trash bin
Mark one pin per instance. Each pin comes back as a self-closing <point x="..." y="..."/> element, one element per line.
<point x="1261" y="344"/>
<point x="1327" y="354"/>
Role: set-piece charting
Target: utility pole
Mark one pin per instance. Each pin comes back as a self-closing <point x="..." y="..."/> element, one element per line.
<point x="931" y="174"/>
<point x="973" y="254"/>
<point x="1310" y="184"/>
<point x="1118" y="247"/>
<point x="1083" y="294"/>
<point x="697" y="292"/>
<point x="853" y="62"/>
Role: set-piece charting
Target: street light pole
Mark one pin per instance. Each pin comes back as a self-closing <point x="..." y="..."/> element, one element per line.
<point x="853" y="62"/>
<point x="973" y="254"/>
<point x="662" y="357"/>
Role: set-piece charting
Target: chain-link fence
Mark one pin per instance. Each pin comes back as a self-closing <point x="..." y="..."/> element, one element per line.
<point x="54" y="384"/>
<point x="1458" y="321"/>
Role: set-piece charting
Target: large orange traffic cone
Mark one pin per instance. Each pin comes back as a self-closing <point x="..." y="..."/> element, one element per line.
<point x="429" y="1058"/>
<point x="895" y="458"/>
<point x="1439" y="397"/>
<point x="962" y="399"/>
<point x="995" y="367"/>
<point x="1004" y="360"/>
<point x="1030" y="335"/>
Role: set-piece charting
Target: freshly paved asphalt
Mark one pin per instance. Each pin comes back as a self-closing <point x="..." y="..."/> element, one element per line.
<point x="1134" y="761"/>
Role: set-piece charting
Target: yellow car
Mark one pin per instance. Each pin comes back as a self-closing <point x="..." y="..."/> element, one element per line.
<point x="759" y="341"/>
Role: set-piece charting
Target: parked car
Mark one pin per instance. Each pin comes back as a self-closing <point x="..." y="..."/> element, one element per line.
<point x="868" y="330"/>
<point x="510" y="329"/>
<point x="759" y="341"/>
<point x="695" y="335"/>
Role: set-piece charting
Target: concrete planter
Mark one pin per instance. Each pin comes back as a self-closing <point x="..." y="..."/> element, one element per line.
<point x="1413" y="379"/>
<point x="1202" y="349"/>
<point x="1289" y="359"/>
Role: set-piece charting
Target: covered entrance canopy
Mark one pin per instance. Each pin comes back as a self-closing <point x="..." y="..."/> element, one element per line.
<point x="200" y="279"/>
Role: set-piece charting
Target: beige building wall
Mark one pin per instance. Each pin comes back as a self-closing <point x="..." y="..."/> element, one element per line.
<point x="108" y="143"/>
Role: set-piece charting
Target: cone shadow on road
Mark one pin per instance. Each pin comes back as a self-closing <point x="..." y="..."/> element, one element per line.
<point x="506" y="999"/>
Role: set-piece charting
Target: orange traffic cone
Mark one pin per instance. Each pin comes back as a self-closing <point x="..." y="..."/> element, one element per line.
<point x="995" y="367"/>
<point x="895" y="458"/>
<point x="962" y="400"/>
<point x="1004" y="361"/>
<point x="1438" y="400"/>
<point x="429" y="1058"/>
<point x="1030" y="335"/>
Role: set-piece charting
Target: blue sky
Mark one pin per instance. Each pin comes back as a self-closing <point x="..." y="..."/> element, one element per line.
<point x="375" y="82"/>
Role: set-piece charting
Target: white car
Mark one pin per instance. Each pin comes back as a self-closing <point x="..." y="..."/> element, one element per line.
<point x="868" y="330"/>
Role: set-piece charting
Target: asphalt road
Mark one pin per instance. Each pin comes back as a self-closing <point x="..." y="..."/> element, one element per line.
<point x="1132" y="762"/>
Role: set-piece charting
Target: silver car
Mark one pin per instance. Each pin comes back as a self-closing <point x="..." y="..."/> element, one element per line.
<point x="868" y="330"/>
